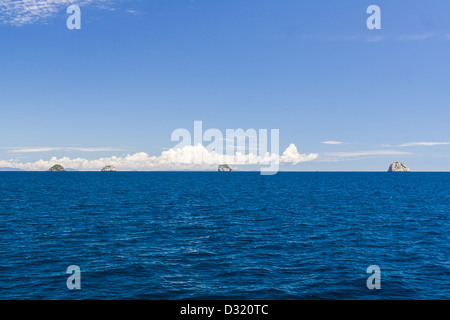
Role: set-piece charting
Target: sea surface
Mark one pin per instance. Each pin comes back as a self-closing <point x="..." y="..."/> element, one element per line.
<point x="238" y="235"/>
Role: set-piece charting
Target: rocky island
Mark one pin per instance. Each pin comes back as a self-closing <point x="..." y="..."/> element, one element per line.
<point x="398" y="167"/>
<point x="109" y="168"/>
<point x="224" y="168"/>
<point x="57" y="167"/>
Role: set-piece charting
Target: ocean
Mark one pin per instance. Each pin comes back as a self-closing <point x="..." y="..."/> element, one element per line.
<point x="211" y="235"/>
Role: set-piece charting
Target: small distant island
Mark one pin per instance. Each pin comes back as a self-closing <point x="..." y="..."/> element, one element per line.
<point x="109" y="168"/>
<point x="224" y="168"/>
<point x="398" y="167"/>
<point x="57" y="167"/>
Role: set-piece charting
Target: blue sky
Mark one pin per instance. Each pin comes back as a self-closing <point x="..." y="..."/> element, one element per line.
<point x="137" y="70"/>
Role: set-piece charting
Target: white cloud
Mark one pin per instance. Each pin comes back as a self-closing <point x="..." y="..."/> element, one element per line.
<point x="23" y="12"/>
<point x="173" y="159"/>
<point x="423" y="144"/>
<point x="93" y="149"/>
<point x="29" y="150"/>
<point x="366" y="153"/>
<point x="417" y="36"/>
<point x="332" y="142"/>
<point x="133" y="12"/>
<point x="368" y="37"/>
<point x="291" y="155"/>
<point x="48" y="149"/>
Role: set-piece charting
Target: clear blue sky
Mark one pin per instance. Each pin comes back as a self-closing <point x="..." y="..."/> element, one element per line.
<point x="137" y="70"/>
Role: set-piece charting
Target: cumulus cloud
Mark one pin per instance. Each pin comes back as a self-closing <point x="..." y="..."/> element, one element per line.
<point x="186" y="158"/>
<point x="23" y="12"/>
<point x="291" y="155"/>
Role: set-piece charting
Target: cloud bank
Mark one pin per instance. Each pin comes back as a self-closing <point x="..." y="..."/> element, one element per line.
<point x="186" y="158"/>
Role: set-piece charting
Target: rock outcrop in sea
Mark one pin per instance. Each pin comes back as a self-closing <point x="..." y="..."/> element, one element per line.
<point x="398" y="167"/>
<point x="224" y="167"/>
<point x="109" y="168"/>
<point x="57" y="167"/>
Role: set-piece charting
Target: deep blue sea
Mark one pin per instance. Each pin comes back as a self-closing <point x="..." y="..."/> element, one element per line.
<point x="238" y="235"/>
